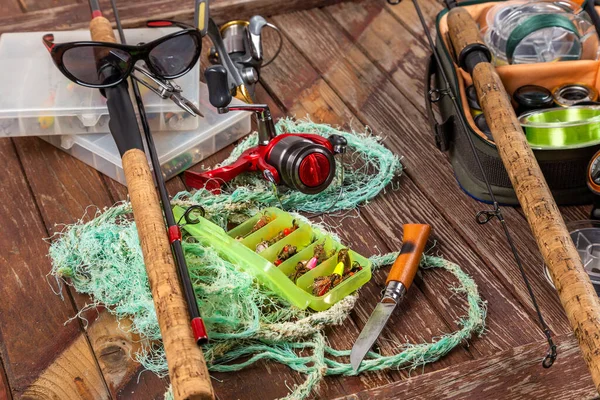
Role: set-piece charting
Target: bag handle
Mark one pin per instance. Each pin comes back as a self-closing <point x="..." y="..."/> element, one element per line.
<point x="442" y="133"/>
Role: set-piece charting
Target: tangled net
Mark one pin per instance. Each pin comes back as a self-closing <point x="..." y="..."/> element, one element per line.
<point x="245" y="319"/>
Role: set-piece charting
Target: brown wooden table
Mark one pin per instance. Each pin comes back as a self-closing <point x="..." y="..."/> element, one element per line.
<point x="351" y="64"/>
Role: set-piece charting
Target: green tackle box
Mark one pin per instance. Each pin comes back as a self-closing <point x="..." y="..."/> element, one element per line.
<point x="238" y="247"/>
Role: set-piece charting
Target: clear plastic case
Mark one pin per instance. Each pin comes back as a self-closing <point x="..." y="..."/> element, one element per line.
<point x="37" y="99"/>
<point x="177" y="150"/>
<point x="525" y="32"/>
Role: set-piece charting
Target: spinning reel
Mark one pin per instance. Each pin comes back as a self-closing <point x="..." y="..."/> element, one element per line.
<point x="237" y="46"/>
<point x="301" y="161"/>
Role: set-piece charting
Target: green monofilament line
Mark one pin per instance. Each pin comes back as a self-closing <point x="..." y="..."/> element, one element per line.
<point x="246" y="321"/>
<point x="540" y="22"/>
<point x="562" y="128"/>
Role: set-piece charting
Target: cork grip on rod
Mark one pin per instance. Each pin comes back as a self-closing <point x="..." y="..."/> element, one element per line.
<point x="187" y="368"/>
<point x="405" y="267"/>
<point x="575" y="289"/>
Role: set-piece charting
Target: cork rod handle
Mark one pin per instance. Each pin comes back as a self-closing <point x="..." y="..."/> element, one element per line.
<point x="575" y="289"/>
<point x="187" y="367"/>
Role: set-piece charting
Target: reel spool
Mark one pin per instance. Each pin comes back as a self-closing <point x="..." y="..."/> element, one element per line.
<point x="562" y="128"/>
<point x="532" y="97"/>
<point x="540" y="31"/>
<point x="574" y="93"/>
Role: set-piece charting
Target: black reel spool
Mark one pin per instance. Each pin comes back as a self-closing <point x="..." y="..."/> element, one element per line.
<point x="532" y="97"/>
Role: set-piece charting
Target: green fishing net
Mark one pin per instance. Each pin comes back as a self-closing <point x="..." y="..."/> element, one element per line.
<point x="246" y="321"/>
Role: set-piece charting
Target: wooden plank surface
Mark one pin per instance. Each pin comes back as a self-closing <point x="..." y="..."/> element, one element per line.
<point x="351" y="64"/>
<point x="512" y="374"/>
<point x="32" y="330"/>
<point x="136" y="13"/>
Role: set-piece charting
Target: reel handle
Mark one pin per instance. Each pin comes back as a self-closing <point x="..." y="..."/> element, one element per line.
<point x="218" y="89"/>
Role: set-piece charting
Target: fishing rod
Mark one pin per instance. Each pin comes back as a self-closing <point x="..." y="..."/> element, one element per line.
<point x="487" y="215"/>
<point x="172" y="226"/>
<point x="187" y="367"/>
<point x="573" y="284"/>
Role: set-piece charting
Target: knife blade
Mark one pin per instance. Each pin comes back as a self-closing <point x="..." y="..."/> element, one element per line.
<point x="398" y="282"/>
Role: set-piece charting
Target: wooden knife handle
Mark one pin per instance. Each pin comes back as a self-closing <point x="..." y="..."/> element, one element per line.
<point x="413" y="243"/>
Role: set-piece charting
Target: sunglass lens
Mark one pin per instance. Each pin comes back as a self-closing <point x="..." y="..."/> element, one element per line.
<point x="96" y="65"/>
<point x="175" y="56"/>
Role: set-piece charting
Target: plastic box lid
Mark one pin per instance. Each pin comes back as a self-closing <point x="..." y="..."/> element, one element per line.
<point x="177" y="150"/>
<point x="37" y="99"/>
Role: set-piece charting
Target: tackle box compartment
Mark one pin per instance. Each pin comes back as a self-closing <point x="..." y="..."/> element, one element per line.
<point x="177" y="151"/>
<point x="37" y="99"/>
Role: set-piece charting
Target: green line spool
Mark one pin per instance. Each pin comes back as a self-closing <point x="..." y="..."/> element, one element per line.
<point x="562" y="128"/>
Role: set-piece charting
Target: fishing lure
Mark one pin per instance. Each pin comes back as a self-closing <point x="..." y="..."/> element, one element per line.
<point x="261" y="223"/>
<point x="342" y="271"/>
<point x="319" y="255"/>
<point x="263" y="245"/>
<point x="286" y="252"/>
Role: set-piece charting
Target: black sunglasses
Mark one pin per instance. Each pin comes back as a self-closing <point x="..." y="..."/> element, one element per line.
<point x="102" y="64"/>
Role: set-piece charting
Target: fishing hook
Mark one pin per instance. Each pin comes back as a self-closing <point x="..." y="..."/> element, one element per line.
<point x="189" y="213"/>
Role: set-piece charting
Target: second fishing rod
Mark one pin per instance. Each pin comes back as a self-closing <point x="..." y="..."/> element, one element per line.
<point x="170" y="283"/>
<point x="174" y="231"/>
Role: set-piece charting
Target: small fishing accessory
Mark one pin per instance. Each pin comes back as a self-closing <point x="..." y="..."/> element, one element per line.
<point x="263" y="245"/>
<point x="324" y="284"/>
<point x="532" y="97"/>
<point x="302" y="161"/>
<point x="283" y="233"/>
<point x="261" y="223"/>
<point x="572" y="93"/>
<point x="344" y="259"/>
<point x="168" y="57"/>
<point x="397" y="284"/>
<point x="319" y="255"/>
<point x="286" y="252"/>
<point x="473" y="102"/>
<point x="166" y="89"/>
<point x="562" y="128"/>
<point x="302" y="268"/>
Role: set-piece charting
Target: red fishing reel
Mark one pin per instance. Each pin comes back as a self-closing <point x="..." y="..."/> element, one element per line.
<point x="301" y="161"/>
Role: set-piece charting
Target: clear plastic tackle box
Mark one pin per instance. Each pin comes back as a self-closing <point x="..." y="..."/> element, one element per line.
<point x="37" y="99"/>
<point x="177" y="150"/>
